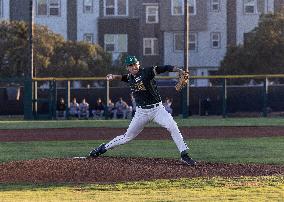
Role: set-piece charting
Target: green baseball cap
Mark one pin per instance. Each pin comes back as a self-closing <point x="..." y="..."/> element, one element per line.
<point x="130" y="59"/>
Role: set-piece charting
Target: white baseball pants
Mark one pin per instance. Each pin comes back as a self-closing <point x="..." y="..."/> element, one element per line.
<point x="142" y="117"/>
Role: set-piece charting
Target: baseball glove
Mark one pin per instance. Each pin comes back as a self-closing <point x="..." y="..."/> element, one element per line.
<point x="183" y="80"/>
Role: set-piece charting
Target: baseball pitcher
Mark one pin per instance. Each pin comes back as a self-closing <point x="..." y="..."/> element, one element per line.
<point x="149" y="106"/>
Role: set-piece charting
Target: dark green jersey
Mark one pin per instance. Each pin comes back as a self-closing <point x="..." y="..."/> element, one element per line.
<point x="143" y="85"/>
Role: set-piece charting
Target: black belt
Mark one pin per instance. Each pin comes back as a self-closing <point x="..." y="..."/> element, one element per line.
<point x="149" y="106"/>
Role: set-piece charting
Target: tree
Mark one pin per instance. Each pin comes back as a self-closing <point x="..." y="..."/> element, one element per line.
<point x="13" y="40"/>
<point x="262" y="52"/>
<point x="53" y="56"/>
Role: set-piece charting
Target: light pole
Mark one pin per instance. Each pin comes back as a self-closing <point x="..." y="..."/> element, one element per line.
<point x="31" y="60"/>
<point x="185" y="91"/>
<point x="31" y="30"/>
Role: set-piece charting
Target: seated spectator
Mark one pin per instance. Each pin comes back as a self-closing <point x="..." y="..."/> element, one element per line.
<point x="99" y="109"/>
<point x="61" y="109"/>
<point x="121" y="109"/>
<point x="167" y="104"/>
<point x="110" y="109"/>
<point x="74" y="108"/>
<point x="84" y="109"/>
<point x="207" y="106"/>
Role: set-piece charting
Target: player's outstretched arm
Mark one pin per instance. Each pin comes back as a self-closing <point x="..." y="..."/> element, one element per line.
<point x="179" y="70"/>
<point x="113" y="77"/>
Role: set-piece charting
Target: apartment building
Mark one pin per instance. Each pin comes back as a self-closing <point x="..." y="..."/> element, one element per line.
<point x="86" y="21"/>
<point x="150" y="29"/>
<point x="73" y="19"/>
<point x="248" y="13"/>
<point x="207" y="37"/>
<point x="131" y="27"/>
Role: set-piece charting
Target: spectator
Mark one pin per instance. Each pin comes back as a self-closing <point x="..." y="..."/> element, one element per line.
<point x="99" y="109"/>
<point x="121" y="109"/>
<point x="61" y="109"/>
<point x="84" y="109"/>
<point x="207" y="106"/>
<point x="110" y="109"/>
<point x="167" y="104"/>
<point x="74" y="108"/>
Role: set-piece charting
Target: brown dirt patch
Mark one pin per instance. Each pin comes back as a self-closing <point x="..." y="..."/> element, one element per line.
<point x="110" y="169"/>
<point x="146" y="134"/>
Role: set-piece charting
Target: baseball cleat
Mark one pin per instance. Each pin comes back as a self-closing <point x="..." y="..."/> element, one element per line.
<point x="187" y="160"/>
<point x="98" y="151"/>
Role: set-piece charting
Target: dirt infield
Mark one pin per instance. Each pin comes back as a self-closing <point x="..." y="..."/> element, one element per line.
<point x="146" y="134"/>
<point x="111" y="169"/>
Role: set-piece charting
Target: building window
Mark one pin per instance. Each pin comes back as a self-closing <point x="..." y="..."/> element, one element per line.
<point x="116" y="7"/>
<point x="192" y="42"/>
<point x="115" y="43"/>
<point x="88" y="6"/>
<point x="215" y="40"/>
<point x="179" y="42"/>
<point x="48" y="7"/>
<point x="215" y="5"/>
<point x="89" y="37"/>
<point x="178" y="7"/>
<point x="250" y="6"/>
<point x="150" y="46"/>
<point x="152" y="14"/>
<point x="54" y="7"/>
<point x="41" y="7"/>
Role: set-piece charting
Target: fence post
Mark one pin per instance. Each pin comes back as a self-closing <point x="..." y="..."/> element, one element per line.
<point x="107" y="100"/>
<point x="55" y="100"/>
<point x="67" y="97"/>
<point x="265" y="96"/>
<point x="28" y="99"/>
<point x="53" y="94"/>
<point x="224" y="96"/>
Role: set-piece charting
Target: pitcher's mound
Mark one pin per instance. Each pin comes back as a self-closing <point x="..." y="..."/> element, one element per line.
<point x="114" y="169"/>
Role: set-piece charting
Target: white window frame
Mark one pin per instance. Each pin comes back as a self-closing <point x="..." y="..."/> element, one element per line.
<point x="152" y="46"/>
<point x="189" y="41"/>
<point x="115" y="7"/>
<point x="48" y="7"/>
<point x="87" y="6"/>
<point x="115" y="43"/>
<point x="155" y="15"/>
<point x="87" y="35"/>
<point x="246" y="4"/>
<point x="215" y="3"/>
<point x="218" y="34"/>
<point x="181" y="2"/>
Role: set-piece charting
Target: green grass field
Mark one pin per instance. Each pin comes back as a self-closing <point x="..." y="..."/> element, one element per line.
<point x="198" y="189"/>
<point x="233" y="150"/>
